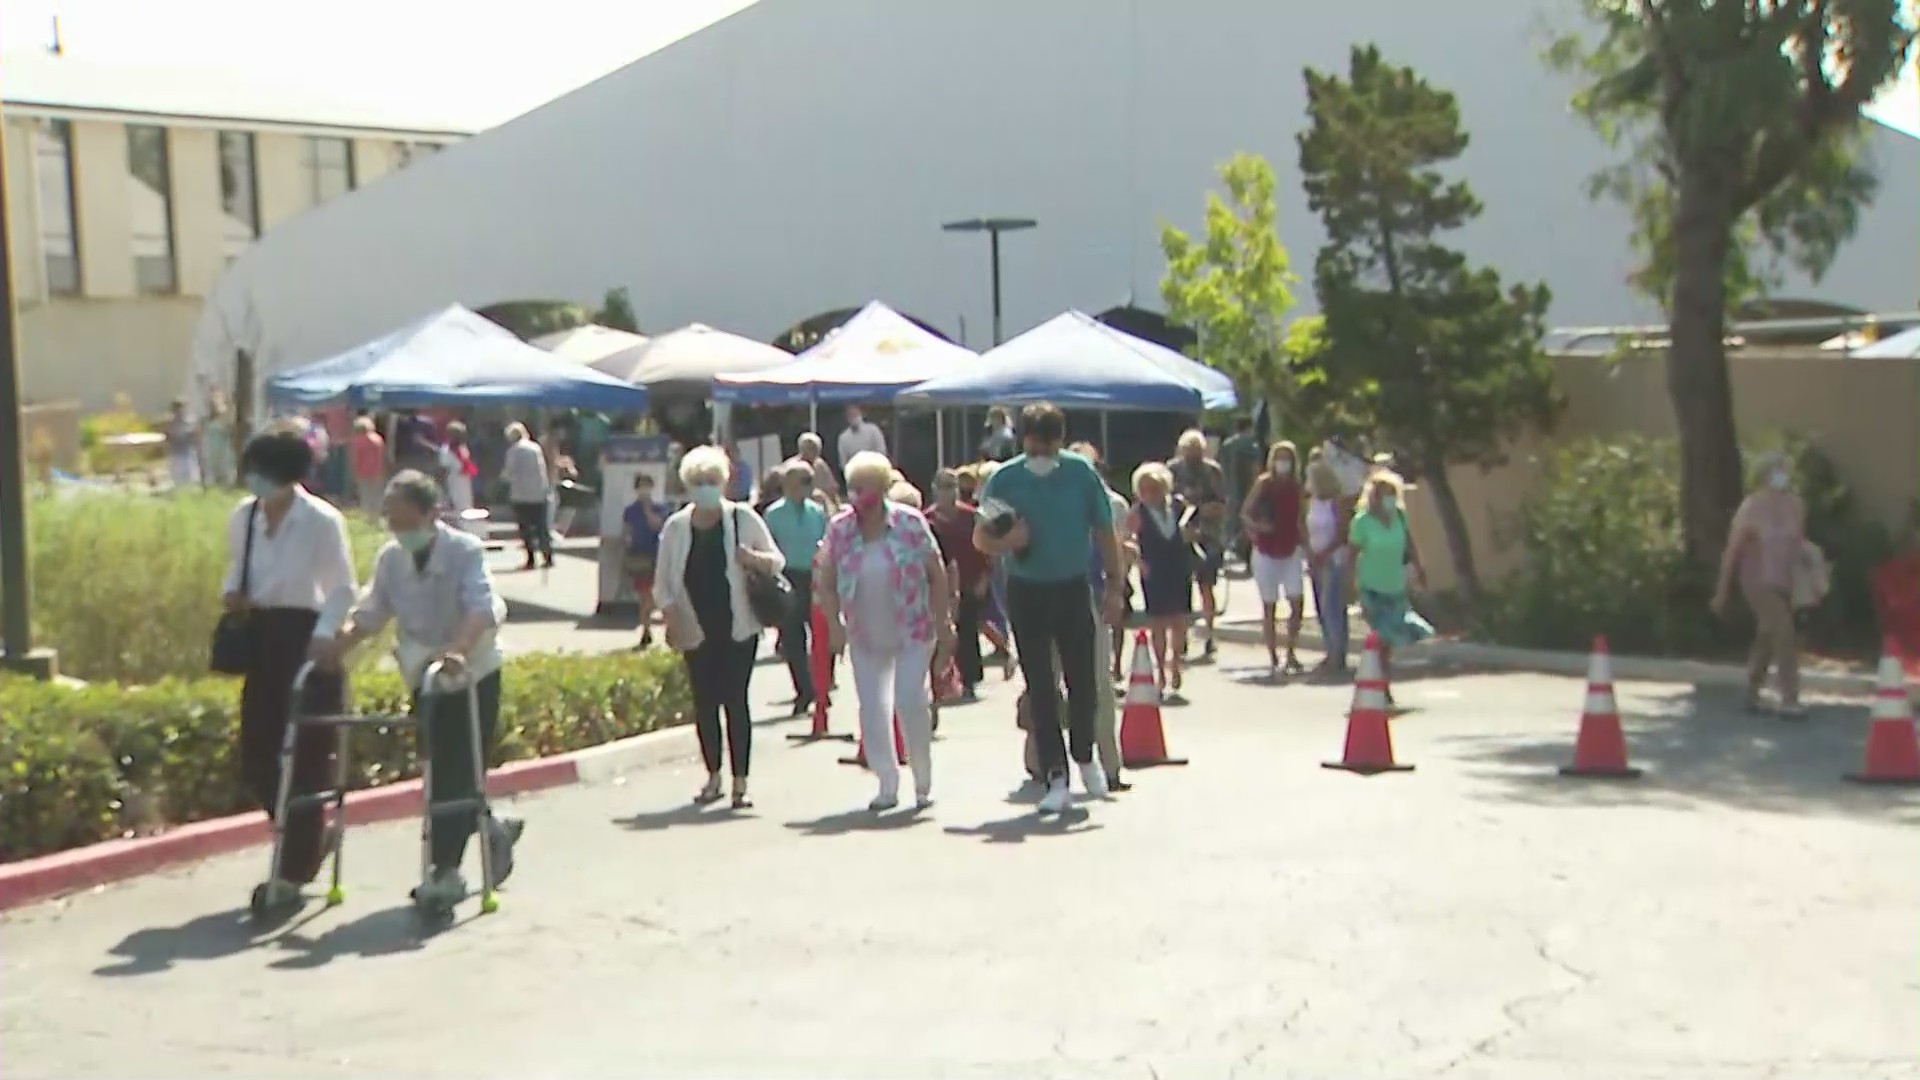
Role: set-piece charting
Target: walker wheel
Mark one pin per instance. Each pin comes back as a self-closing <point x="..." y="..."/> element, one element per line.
<point x="257" y="903"/>
<point x="336" y="896"/>
<point x="489" y="904"/>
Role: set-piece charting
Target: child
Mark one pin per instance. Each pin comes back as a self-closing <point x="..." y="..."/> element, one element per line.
<point x="640" y="528"/>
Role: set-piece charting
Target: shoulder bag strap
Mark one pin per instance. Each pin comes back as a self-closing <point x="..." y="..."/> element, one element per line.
<point x="246" y="553"/>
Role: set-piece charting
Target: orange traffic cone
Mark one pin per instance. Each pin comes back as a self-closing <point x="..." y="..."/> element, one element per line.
<point x="1600" y="750"/>
<point x="820" y="659"/>
<point x="1143" y="736"/>
<point x="1369" y="747"/>
<point x="899" y="747"/>
<point x="1893" y="747"/>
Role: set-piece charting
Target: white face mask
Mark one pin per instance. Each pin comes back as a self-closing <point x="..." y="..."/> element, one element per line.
<point x="1042" y="466"/>
<point x="1285" y="468"/>
<point x="1778" y="480"/>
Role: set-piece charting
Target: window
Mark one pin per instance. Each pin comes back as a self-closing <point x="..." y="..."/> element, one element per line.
<point x="59" y="239"/>
<point x="150" y="188"/>
<point x="239" y="195"/>
<point x="329" y="168"/>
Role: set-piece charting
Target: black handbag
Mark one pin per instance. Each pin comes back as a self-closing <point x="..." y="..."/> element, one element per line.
<point x="232" y="652"/>
<point x="769" y="596"/>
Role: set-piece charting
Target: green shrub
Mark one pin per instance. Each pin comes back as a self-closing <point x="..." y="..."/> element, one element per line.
<point x="127" y="586"/>
<point x="83" y="765"/>
<point x="1604" y="555"/>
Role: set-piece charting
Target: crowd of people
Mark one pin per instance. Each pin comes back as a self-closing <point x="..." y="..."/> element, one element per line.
<point x="1030" y="548"/>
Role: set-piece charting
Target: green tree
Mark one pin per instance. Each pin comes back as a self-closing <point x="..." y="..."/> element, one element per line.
<point x="1234" y="287"/>
<point x="1739" y="122"/>
<point x="536" y="318"/>
<point x="616" y="312"/>
<point x="1441" y="358"/>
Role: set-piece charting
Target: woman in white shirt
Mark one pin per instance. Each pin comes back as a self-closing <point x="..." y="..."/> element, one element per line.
<point x="291" y="571"/>
<point x="707" y="549"/>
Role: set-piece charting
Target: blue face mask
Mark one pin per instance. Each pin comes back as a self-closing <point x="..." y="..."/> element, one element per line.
<point x="705" y="496"/>
<point x="262" y="488"/>
<point x="1389" y="505"/>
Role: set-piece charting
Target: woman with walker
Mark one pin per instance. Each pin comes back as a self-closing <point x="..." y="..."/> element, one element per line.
<point x="433" y="582"/>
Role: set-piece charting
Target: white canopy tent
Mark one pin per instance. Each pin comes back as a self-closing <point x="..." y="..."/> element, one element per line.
<point x="588" y="344"/>
<point x="687" y="360"/>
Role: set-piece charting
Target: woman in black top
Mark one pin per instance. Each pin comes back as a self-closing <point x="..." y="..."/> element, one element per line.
<point x="708" y="549"/>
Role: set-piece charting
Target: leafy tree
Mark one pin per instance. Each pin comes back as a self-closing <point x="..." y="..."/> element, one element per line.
<point x="616" y="312"/>
<point x="1441" y="358"/>
<point x="1740" y="124"/>
<point x="1234" y="287"/>
<point x="536" y="318"/>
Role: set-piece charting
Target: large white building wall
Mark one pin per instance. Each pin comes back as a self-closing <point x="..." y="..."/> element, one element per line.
<point x="801" y="156"/>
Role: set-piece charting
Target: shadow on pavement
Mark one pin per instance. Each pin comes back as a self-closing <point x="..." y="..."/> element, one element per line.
<point x="689" y="814"/>
<point x="524" y="611"/>
<point x="1699" y="747"/>
<point x="862" y="820"/>
<point x="207" y="937"/>
<point x="1018" y="830"/>
<point x="387" y="932"/>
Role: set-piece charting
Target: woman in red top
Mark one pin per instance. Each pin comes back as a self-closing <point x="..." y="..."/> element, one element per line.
<point x="1275" y="514"/>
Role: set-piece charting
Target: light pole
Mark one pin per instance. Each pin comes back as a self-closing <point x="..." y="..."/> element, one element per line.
<point x="993" y="227"/>
<point x="16" y="596"/>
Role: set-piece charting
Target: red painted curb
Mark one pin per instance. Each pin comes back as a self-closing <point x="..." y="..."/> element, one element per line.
<point x="43" y="878"/>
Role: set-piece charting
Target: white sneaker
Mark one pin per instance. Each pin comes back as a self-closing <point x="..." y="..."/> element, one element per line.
<point x="1057" y="796"/>
<point x="1094" y="779"/>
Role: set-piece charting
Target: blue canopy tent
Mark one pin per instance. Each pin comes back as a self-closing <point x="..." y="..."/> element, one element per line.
<point x="452" y="357"/>
<point x="870" y="358"/>
<point x="1078" y="362"/>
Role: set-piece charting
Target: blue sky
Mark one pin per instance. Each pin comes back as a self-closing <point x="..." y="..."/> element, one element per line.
<point x="435" y="56"/>
<point x="441" y="57"/>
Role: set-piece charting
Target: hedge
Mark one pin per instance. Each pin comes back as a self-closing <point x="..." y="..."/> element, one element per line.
<point x="81" y="765"/>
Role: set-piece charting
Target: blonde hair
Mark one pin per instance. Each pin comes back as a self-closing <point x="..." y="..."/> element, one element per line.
<point x="1764" y="463"/>
<point x="905" y="494"/>
<point x="808" y="439"/>
<point x="363" y="424"/>
<point x="516" y="431"/>
<point x="872" y="467"/>
<point x="705" y="465"/>
<point x="1322" y="479"/>
<point x="1284" y="446"/>
<point x="1385" y="478"/>
<point x="1154" y="471"/>
<point x="1192" y="439"/>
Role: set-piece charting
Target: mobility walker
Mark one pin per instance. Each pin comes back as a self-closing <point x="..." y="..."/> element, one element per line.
<point x="273" y="896"/>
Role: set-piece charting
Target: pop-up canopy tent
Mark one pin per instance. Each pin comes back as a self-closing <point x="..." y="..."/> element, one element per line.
<point x="870" y="358"/>
<point x="687" y="360"/>
<point x="588" y="344"/>
<point x="1078" y="362"/>
<point x="452" y="357"/>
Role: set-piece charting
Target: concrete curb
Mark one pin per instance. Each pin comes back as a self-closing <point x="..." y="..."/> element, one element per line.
<point x="1633" y="668"/>
<point x="48" y="876"/>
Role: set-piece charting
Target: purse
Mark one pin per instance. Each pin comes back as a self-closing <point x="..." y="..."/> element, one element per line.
<point x="769" y="596"/>
<point x="232" y="649"/>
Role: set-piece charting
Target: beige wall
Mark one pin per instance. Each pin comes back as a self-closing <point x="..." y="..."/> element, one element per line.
<point x="109" y="341"/>
<point x="1864" y="414"/>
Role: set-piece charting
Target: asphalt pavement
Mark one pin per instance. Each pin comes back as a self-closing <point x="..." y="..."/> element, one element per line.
<point x="1739" y="913"/>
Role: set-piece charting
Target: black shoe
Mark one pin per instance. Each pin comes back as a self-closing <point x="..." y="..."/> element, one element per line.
<point x="646" y="639"/>
<point x="802" y="706"/>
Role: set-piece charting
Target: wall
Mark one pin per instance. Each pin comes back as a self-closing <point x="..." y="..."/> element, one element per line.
<point x="1861" y="413"/>
<point x="111" y="341"/>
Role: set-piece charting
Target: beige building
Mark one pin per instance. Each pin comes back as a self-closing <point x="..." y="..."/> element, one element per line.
<point x="130" y="190"/>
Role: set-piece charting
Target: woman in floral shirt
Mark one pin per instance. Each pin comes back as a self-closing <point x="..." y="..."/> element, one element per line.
<point x="883" y="588"/>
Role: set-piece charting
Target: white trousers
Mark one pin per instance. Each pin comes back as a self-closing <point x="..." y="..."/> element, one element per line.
<point x="890" y="683"/>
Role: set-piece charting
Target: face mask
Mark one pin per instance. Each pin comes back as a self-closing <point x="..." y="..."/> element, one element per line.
<point x="705" y="496"/>
<point x="1778" y="480"/>
<point x="1285" y="468"/>
<point x="261" y="487"/>
<point x="1042" y="466"/>
<point x="947" y="495"/>
<point x="1389" y="504"/>
<point x="414" y="541"/>
<point x="866" y="500"/>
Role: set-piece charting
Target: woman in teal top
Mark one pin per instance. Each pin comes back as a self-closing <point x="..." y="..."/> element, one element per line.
<point x="1385" y="563"/>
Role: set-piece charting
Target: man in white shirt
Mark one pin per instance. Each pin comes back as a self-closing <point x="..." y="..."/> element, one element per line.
<point x="433" y="582"/>
<point x="859" y="436"/>
<point x="808" y="454"/>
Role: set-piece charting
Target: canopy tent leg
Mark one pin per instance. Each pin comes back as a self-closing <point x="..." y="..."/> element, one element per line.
<point x="940" y="438"/>
<point x="1106" y="448"/>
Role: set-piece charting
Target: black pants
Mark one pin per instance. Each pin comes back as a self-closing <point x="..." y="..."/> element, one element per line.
<point x="446" y="738"/>
<point x="534" y="530"/>
<point x="719" y="671"/>
<point x="966" y="632"/>
<point x="795" y="634"/>
<point x="280" y="637"/>
<point x="1049" y="615"/>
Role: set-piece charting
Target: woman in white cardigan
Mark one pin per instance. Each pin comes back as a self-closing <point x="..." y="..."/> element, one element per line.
<point x="707" y="549"/>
